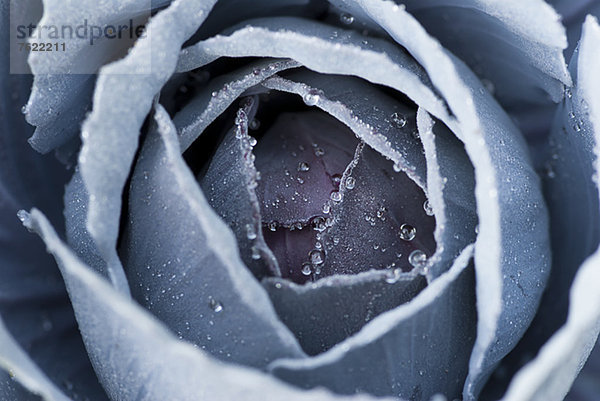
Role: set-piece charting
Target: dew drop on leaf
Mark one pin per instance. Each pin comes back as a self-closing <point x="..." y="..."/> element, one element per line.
<point x="350" y="182"/>
<point x="306" y="269"/>
<point x="398" y="120"/>
<point x="316" y="257"/>
<point x="346" y="19"/>
<point x="336" y="196"/>
<point x="407" y="232"/>
<point x="303" y="167"/>
<point x="319" y="152"/>
<point x="311" y="97"/>
<point x="427" y="207"/>
<point x="417" y="258"/>
<point x="215" y="305"/>
<point x="250" y="232"/>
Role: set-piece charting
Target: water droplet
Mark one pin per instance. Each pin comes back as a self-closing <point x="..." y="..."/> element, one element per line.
<point x="215" y="305"/>
<point x="252" y="141"/>
<point x="300" y="180"/>
<point x="22" y="215"/>
<point x="319" y="152"/>
<point x="336" y="196"/>
<point x="568" y="93"/>
<point x="303" y="167"/>
<point x="255" y="252"/>
<point x="571" y="115"/>
<point x="397" y="167"/>
<point x="326" y="208"/>
<point x="250" y="232"/>
<point x="311" y="97"/>
<point x="272" y="226"/>
<point x="346" y="19"/>
<point x="392" y="276"/>
<point x="318" y="224"/>
<point x="427" y="207"/>
<point x="398" y="120"/>
<point x="350" y="182"/>
<point x="316" y="257"/>
<point x="336" y="179"/>
<point x="407" y="232"/>
<point x="24" y="109"/>
<point x="256" y="71"/>
<point x="417" y="258"/>
<point x="306" y="269"/>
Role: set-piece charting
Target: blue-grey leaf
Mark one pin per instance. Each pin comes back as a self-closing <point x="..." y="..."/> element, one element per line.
<point x="450" y="192"/>
<point x="331" y="51"/>
<point x="187" y="271"/>
<point x="110" y="133"/>
<point x="64" y="80"/>
<point x="16" y="361"/>
<point x="573" y="13"/>
<point x="229" y="185"/>
<point x="33" y="302"/>
<point x="576" y="231"/>
<point x="78" y="237"/>
<point x="380" y="221"/>
<point x="219" y="94"/>
<point x="586" y="386"/>
<point x="516" y="46"/>
<point x="512" y="250"/>
<point x="11" y="389"/>
<point x="326" y="312"/>
<point x="66" y="123"/>
<point x="136" y="357"/>
<point x="232" y="12"/>
<point x="413" y="351"/>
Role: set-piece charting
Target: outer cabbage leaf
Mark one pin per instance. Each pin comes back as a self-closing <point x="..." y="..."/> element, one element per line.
<point x="19" y="365"/>
<point x="110" y="133"/>
<point x="34" y="306"/>
<point x="64" y="81"/>
<point x="577" y="136"/>
<point x="516" y="46"/>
